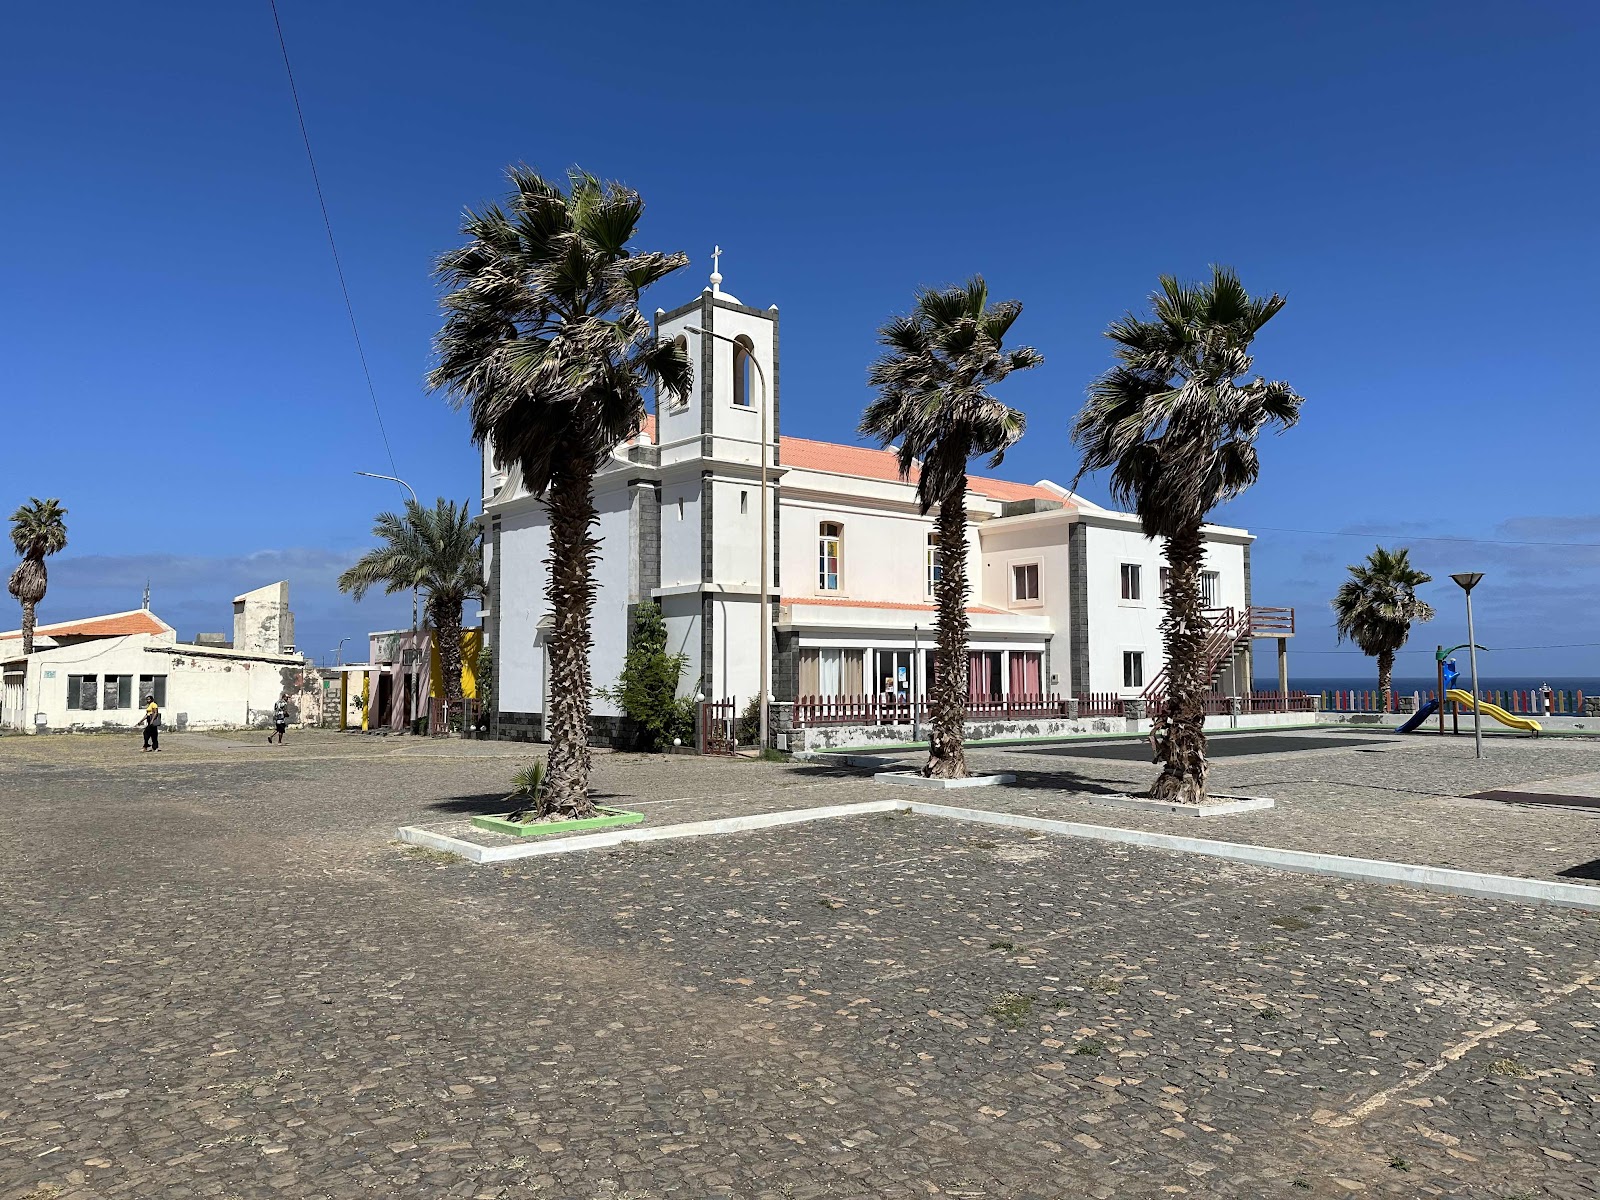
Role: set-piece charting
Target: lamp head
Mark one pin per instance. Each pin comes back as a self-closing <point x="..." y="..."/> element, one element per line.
<point x="1467" y="580"/>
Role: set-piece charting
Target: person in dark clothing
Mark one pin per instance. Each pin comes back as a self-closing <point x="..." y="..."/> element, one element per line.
<point x="280" y="718"/>
<point x="151" y="722"/>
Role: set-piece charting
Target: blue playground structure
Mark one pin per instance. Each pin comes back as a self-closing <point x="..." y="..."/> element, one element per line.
<point x="1448" y="666"/>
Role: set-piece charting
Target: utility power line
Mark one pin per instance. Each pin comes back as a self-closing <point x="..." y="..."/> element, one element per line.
<point x="327" y="224"/>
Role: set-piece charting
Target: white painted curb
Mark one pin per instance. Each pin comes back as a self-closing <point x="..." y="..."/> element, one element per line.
<point x="1366" y="870"/>
<point x="475" y="852"/>
<point x="912" y="779"/>
<point x="1222" y="808"/>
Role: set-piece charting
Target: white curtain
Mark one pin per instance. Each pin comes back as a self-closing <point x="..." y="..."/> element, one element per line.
<point x="829" y="674"/>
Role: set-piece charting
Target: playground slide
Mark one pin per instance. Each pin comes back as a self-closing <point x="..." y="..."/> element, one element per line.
<point x="1495" y="711"/>
<point x="1418" y="717"/>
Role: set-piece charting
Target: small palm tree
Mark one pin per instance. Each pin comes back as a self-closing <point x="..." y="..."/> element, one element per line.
<point x="934" y="403"/>
<point x="436" y="550"/>
<point x="1376" y="606"/>
<point x="543" y="339"/>
<point x="38" y="529"/>
<point x="1177" y="429"/>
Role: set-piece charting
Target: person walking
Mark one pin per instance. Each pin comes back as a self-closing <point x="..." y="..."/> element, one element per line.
<point x="280" y="718"/>
<point x="151" y="722"/>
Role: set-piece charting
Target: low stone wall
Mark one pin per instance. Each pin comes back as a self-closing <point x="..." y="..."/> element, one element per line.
<point x="843" y="737"/>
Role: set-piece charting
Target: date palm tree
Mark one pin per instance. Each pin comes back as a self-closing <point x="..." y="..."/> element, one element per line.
<point x="1376" y="606"/>
<point x="934" y="404"/>
<point x="38" y="530"/>
<point x="1177" y="428"/>
<point x="436" y="550"/>
<point x="544" y="341"/>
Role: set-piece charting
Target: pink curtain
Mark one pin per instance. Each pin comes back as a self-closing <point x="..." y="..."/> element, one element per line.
<point x="1025" y="669"/>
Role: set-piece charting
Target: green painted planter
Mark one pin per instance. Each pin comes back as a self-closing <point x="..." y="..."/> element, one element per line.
<point x="613" y="816"/>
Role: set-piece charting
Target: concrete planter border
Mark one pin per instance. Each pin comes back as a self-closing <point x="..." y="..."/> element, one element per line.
<point x="1222" y="807"/>
<point x="1366" y="870"/>
<point x="520" y="829"/>
<point x="912" y="779"/>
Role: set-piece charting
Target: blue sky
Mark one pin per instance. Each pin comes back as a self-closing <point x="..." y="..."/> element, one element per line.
<point x="1419" y="179"/>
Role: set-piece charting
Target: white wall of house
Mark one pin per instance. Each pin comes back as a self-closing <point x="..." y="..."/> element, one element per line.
<point x="524" y="546"/>
<point x="680" y="531"/>
<point x="205" y="688"/>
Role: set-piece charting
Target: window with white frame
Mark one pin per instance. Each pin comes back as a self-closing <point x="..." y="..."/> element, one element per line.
<point x="830" y="537"/>
<point x="1132" y="584"/>
<point x="744" y="369"/>
<point x="935" y="564"/>
<point x="1210" y="588"/>
<point x="1166" y="581"/>
<point x="1025" y="581"/>
<point x="1133" y="668"/>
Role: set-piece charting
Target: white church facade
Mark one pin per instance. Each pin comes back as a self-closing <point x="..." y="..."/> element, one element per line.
<point x="1066" y="597"/>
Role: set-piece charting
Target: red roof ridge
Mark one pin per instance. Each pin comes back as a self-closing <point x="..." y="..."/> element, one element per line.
<point x="873" y="462"/>
<point x="133" y="620"/>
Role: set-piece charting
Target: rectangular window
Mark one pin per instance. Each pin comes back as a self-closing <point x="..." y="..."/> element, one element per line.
<point x="1210" y="588"/>
<point x="1133" y="668"/>
<point x="935" y="564"/>
<point x="110" y="694"/>
<point x="1025" y="581"/>
<point x="1166" y="581"/>
<point x="744" y="503"/>
<point x="82" y="691"/>
<point x="680" y="508"/>
<point x="1130" y="581"/>
<point x="1025" y="671"/>
<point x="153" y="685"/>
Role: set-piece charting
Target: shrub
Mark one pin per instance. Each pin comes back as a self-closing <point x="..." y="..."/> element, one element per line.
<point x="647" y="688"/>
<point x="748" y="730"/>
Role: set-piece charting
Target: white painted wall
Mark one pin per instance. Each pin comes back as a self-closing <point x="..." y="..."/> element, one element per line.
<point x="680" y="531"/>
<point x="883" y="549"/>
<point x="204" y="690"/>
<point x="524" y="545"/>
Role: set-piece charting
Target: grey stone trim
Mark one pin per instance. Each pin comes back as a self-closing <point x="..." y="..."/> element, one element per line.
<point x="1044" y="674"/>
<point x="786" y="667"/>
<point x="707" y="528"/>
<point x="645" y="456"/>
<point x="707" y="379"/>
<point x="519" y="727"/>
<point x="646" y="520"/>
<point x="673" y="314"/>
<point x="724" y="302"/>
<point x="1035" y="504"/>
<point x="1078" y="607"/>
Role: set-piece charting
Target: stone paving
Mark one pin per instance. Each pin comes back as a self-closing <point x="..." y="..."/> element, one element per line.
<point x="219" y="978"/>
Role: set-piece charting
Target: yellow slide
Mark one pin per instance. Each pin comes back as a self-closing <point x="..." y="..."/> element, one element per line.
<point x="1495" y="711"/>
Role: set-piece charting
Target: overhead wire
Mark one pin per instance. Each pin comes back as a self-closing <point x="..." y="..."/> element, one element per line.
<point x="327" y="224"/>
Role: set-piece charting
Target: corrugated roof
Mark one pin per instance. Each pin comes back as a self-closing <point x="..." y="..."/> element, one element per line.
<point x="866" y="462"/>
<point x="139" y="620"/>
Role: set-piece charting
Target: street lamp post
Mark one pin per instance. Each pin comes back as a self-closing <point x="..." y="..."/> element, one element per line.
<point x="415" y="501"/>
<point x="766" y="607"/>
<point x="1467" y="580"/>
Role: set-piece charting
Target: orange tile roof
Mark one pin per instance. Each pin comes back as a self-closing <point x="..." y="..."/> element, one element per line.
<point x="832" y="602"/>
<point x="865" y="462"/>
<point x="115" y="625"/>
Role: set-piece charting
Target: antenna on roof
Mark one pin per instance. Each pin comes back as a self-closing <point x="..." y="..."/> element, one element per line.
<point x="146" y="604"/>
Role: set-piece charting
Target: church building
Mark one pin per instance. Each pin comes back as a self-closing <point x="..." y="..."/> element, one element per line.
<point x="1066" y="594"/>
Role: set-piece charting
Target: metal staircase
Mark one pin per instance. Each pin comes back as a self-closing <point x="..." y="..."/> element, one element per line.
<point x="1230" y="630"/>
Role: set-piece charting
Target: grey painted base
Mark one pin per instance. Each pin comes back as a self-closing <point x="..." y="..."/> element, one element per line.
<point x="912" y="779"/>
<point x="1366" y="870"/>
<point x="1218" y="808"/>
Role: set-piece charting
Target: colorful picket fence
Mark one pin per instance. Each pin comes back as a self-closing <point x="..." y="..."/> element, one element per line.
<point x="1521" y="701"/>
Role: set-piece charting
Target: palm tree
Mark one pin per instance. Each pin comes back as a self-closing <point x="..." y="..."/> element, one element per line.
<point x="933" y="401"/>
<point x="1376" y="606"/>
<point x="436" y="550"/>
<point x="38" y="529"/>
<point x="1178" y="429"/>
<point x="544" y="341"/>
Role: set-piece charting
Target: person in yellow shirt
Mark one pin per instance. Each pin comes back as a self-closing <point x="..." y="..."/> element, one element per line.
<point x="152" y="725"/>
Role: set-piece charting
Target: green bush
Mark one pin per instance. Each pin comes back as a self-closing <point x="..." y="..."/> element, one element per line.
<point x="647" y="689"/>
<point x="748" y="730"/>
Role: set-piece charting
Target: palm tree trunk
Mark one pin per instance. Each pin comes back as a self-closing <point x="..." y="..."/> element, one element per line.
<point x="1179" y="731"/>
<point x="948" y="696"/>
<point x="28" y="621"/>
<point x="446" y="622"/>
<point x="570" y="591"/>
<point x="1385" y="678"/>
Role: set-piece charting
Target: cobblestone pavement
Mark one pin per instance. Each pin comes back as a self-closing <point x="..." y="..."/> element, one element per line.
<point x="218" y="978"/>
